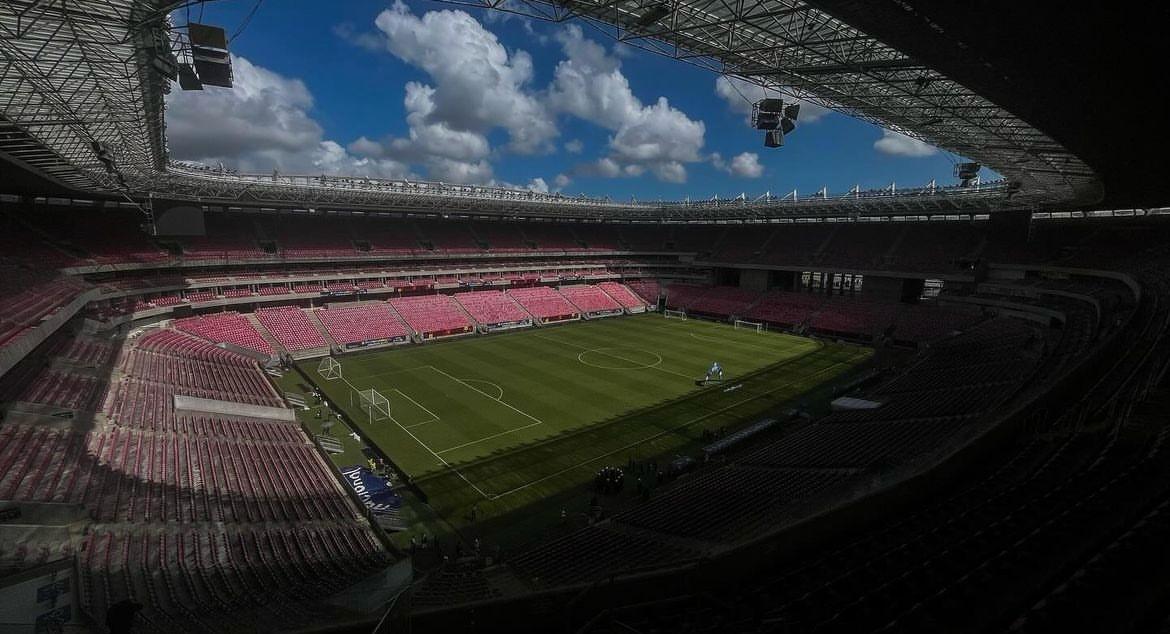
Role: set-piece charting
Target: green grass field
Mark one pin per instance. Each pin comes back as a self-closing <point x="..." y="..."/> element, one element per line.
<point x="497" y="423"/>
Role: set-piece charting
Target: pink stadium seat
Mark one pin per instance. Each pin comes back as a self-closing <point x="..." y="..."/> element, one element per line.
<point x="544" y="303"/>
<point x="356" y="324"/>
<point x="622" y="294"/>
<point x="229" y="327"/>
<point x="491" y="307"/>
<point x="432" y="315"/>
<point x="589" y="298"/>
<point x="291" y="327"/>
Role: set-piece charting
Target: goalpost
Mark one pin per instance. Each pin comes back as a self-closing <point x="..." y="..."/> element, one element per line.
<point x="741" y="324"/>
<point x="329" y="369"/>
<point x="375" y="405"/>
<point x="674" y="314"/>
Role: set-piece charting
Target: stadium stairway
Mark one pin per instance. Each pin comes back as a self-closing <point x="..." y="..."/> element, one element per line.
<point x="316" y="321"/>
<point x="825" y="243"/>
<point x="475" y="324"/>
<point x="267" y="336"/>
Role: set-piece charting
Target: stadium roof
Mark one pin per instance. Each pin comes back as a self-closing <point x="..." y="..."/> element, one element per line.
<point x="79" y="77"/>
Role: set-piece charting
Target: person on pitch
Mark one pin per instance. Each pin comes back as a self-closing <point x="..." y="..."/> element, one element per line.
<point x="715" y="371"/>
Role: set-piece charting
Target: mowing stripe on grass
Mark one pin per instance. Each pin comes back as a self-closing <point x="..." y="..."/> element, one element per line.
<point x="664" y="432"/>
<point x="424" y="446"/>
<point x="602" y="352"/>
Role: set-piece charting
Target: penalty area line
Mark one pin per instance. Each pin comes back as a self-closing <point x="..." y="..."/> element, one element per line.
<point x="432" y="451"/>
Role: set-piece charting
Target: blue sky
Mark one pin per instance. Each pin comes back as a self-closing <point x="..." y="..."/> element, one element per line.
<point x="417" y="89"/>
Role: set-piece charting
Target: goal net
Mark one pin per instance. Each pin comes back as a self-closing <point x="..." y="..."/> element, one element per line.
<point x="329" y="369"/>
<point x="674" y="314"/>
<point x="741" y="324"/>
<point x="374" y="404"/>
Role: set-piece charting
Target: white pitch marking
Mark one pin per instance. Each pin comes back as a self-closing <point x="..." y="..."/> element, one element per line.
<point x="432" y="451"/>
<point x="583" y="349"/>
<point x="659" y="434"/>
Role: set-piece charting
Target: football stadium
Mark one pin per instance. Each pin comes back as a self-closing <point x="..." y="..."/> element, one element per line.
<point x="284" y="347"/>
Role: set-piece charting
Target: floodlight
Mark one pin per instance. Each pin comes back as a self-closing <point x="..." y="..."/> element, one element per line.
<point x="787" y="125"/>
<point x="767" y="121"/>
<point x="791" y="111"/>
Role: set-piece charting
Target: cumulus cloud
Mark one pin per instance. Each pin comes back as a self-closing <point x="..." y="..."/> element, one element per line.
<point x="262" y="123"/>
<point x="740" y="95"/>
<point x="744" y="165"/>
<point x="898" y="144"/>
<point x="589" y="85"/>
<point x="474" y="89"/>
<point x="479" y="86"/>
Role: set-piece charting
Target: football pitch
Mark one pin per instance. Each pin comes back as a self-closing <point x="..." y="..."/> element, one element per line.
<point x="496" y="422"/>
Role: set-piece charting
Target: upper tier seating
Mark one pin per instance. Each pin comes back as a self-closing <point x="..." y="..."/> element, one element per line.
<point x="227" y="237"/>
<point x="368" y="322"/>
<point x="291" y="327"/>
<point x="229" y="327"/>
<point x="556" y="237"/>
<point x="544" y="302"/>
<point x="448" y="237"/>
<point x="432" y="315"/>
<point x="622" y="294"/>
<point x="107" y="236"/>
<point x="301" y="237"/>
<point x="501" y="236"/>
<point x="589" y="298"/>
<point x="643" y="237"/>
<point x="29" y="296"/>
<point x="861" y="245"/>
<point x="598" y="237"/>
<point x="491" y="307"/>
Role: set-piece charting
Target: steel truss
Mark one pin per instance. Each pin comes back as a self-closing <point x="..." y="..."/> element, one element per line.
<point x="789" y="46"/>
<point x="182" y="182"/>
<point x="73" y="73"/>
<point x="76" y="72"/>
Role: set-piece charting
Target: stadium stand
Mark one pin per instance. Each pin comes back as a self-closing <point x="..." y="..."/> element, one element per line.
<point x="649" y="290"/>
<point x="432" y="315"/>
<point x="227" y="327"/>
<point x="589" y="299"/>
<point x="291" y="327"/>
<point x="544" y="303"/>
<point x="622" y="294"/>
<point x="373" y="322"/>
<point x="492" y="308"/>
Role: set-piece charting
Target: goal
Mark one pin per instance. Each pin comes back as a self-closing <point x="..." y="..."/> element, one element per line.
<point x="674" y="314"/>
<point x="741" y="324"/>
<point x="374" y="404"/>
<point x="329" y="369"/>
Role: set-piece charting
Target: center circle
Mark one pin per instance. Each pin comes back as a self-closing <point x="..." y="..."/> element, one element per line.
<point x="619" y="358"/>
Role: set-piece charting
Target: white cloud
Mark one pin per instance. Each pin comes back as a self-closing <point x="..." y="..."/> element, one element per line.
<point x="589" y="85"/>
<point x="538" y="185"/>
<point x="562" y="180"/>
<point x="262" y="123"/>
<point x="740" y="95"/>
<point x="479" y="86"/>
<point x="898" y="144"/>
<point x="747" y="165"/>
<point x="575" y="146"/>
